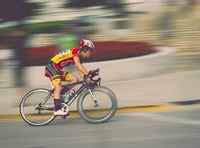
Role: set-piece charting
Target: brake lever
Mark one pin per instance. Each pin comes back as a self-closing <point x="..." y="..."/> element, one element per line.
<point x="97" y="71"/>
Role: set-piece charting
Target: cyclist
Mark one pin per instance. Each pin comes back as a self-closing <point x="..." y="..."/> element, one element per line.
<point x="54" y="69"/>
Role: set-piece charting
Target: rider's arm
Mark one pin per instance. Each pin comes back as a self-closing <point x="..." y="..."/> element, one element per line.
<point x="80" y="67"/>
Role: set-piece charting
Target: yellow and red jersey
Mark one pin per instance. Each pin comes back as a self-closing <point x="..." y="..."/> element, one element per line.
<point x="65" y="58"/>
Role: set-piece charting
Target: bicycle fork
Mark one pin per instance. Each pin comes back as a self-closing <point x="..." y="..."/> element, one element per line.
<point x="93" y="98"/>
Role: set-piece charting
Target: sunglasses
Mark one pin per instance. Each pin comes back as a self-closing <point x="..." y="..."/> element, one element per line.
<point x="85" y="50"/>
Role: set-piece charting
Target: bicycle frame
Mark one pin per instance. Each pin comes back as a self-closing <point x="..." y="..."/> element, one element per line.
<point x="81" y="88"/>
<point x="84" y="85"/>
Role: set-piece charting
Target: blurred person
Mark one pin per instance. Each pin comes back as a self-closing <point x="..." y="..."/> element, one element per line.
<point x="2" y="55"/>
<point x="6" y="59"/>
<point x="54" y="70"/>
<point x="166" y="22"/>
<point x="68" y="37"/>
<point x="1" y="48"/>
<point x="16" y="41"/>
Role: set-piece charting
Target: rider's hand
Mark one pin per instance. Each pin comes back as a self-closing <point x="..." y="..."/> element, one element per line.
<point x="91" y="74"/>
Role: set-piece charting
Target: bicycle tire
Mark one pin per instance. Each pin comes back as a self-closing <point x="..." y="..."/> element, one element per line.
<point x="36" y="107"/>
<point x="107" y="105"/>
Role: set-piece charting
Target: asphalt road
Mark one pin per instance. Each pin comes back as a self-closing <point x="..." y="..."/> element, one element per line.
<point x="167" y="128"/>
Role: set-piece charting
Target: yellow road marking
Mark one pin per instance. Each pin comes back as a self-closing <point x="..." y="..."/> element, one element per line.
<point x="147" y="108"/>
<point x="15" y="117"/>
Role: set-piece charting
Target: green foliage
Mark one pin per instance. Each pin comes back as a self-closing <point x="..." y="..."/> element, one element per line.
<point x="46" y="27"/>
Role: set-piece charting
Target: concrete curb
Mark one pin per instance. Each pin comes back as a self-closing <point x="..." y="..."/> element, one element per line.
<point x="114" y="70"/>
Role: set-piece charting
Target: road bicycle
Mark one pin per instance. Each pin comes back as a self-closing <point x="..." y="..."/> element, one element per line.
<point x="95" y="104"/>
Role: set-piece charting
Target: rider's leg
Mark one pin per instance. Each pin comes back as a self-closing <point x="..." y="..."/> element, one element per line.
<point x="57" y="92"/>
<point x="57" y="100"/>
<point x="55" y="78"/>
<point x="56" y="81"/>
<point x="73" y="79"/>
<point x="68" y="76"/>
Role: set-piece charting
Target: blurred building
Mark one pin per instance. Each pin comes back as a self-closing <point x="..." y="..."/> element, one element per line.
<point x="172" y="23"/>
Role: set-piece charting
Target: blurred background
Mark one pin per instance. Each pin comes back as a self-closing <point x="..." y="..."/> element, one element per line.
<point x="31" y="31"/>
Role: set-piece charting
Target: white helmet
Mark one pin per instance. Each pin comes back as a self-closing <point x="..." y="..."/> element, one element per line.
<point x="86" y="44"/>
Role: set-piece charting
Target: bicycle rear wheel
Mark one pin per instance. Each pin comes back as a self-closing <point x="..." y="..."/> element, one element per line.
<point x="105" y="108"/>
<point x="36" y="107"/>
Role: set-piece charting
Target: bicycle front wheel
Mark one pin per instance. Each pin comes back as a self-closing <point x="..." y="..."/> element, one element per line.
<point x="98" y="106"/>
<point x="36" y="107"/>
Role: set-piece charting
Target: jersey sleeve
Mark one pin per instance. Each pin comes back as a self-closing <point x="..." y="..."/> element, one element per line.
<point x="75" y="52"/>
